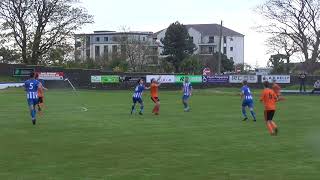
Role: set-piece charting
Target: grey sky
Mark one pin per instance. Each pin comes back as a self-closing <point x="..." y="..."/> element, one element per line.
<point x="154" y="15"/>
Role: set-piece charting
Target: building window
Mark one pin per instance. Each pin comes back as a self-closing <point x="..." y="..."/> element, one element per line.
<point x="224" y="39"/>
<point x="231" y="39"/>
<point x="106" y="39"/>
<point x="191" y="38"/>
<point x="97" y="51"/>
<point x="155" y="50"/>
<point x="88" y="41"/>
<point x="211" y="39"/>
<point x="210" y="50"/>
<point x="123" y="49"/>
<point x="231" y="58"/>
<point x="115" y="38"/>
<point x="88" y="53"/>
<point x="114" y="49"/>
<point x="105" y="50"/>
<point x="225" y="50"/>
<point x="143" y="38"/>
<point x="98" y="39"/>
<point x="124" y="38"/>
<point x="231" y="48"/>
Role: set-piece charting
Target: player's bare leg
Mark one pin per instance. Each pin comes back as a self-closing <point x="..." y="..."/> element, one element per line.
<point x="156" y="108"/>
<point x="40" y="108"/>
<point x="186" y="105"/>
<point x="33" y="114"/>
<point x="244" y="113"/>
<point x="270" y="128"/>
<point x="141" y="108"/>
<point x="133" y="107"/>
<point x="275" y="127"/>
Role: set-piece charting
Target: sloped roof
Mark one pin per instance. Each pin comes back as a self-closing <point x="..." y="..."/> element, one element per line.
<point x="211" y="30"/>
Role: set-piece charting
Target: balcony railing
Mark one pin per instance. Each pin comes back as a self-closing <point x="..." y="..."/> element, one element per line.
<point x="207" y="43"/>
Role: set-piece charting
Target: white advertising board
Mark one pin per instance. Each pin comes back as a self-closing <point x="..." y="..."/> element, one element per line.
<point x="163" y="79"/>
<point x="281" y="79"/>
<point x="241" y="78"/>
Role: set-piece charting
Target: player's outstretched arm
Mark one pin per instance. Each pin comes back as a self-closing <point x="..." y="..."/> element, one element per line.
<point x="158" y="81"/>
<point x="46" y="89"/>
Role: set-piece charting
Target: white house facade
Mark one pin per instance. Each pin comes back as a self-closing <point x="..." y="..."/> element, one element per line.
<point x="104" y="43"/>
<point x="206" y="38"/>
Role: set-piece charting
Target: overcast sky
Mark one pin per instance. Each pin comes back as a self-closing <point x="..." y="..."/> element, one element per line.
<point x="154" y="15"/>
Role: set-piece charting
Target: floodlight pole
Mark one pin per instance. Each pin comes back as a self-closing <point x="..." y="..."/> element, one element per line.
<point x="220" y="47"/>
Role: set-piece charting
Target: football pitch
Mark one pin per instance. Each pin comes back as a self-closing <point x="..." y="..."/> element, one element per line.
<point x="106" y="142"/>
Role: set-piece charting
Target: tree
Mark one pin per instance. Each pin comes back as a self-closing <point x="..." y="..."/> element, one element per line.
<point x="191" y="65"/>
<point x="212" y="62"/>
<point x="136" y="51"/>
<point x="9" y="56"/>
<point x="297" y="20"/>
<point x="119" y="65"/>
<point x="276" y="62"/>
<point x="177" y="44"/>
<point x="36" y="26"/>
<point x="58" y="55"/>
<point x="227" y="64"/>
<point x="280" y="44"/>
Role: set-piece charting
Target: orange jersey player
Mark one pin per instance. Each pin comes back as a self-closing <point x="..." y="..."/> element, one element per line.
<point x="277" y="89"/>
<point x="40" y="94"/>
<point x="269" y="99"/>
<point x="154" y="89"/>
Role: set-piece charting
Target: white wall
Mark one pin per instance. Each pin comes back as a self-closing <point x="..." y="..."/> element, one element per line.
<point x="238" y="49"/>
<point x="196" y="38"/>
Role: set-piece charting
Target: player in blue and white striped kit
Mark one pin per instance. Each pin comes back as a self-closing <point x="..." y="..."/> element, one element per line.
<point x="247" y="101"/>
<point x="187" y="92"/>
<point x="137" y="96"/>
<point x="31" y="87"/>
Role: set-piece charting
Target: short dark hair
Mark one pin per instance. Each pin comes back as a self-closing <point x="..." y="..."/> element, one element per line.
<point x="139" y="80"/>
<point x="32" y="75"/>
<point x="245" y="82"/>
<point x="266" y="84"/>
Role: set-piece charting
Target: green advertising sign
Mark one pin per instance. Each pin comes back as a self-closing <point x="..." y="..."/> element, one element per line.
<point x="110" y="79"/>
<point x="192" y="78"/>
<point x="22" y="71"/>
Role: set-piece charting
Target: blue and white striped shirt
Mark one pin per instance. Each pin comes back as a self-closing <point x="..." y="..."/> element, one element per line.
<point x="31" y="87"/>
<point x="138" y="91"/>
<point x="187" y="87"/>
<point x="246" y="93"/>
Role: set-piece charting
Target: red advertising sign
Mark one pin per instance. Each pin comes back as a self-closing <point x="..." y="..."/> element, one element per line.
<point x="51" y="76"/>
<point x="206" y="72"/>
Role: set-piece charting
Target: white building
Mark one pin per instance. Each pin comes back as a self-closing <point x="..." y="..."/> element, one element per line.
<point x="206" y="38"/>
<point x="104" y="43"/>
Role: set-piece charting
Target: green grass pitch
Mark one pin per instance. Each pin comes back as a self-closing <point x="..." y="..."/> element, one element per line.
<point x="208" y="143"/>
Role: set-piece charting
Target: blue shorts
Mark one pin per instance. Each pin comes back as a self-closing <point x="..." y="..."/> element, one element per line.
<point x="32" y="102"/>
<point x="135" y="100"/>
<point x="185" y="97"/>
<point x="248" y="103"/>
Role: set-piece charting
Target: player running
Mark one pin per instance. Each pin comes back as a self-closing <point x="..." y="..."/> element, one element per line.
<point x="137" y="96"/>
<point x="277" y="89"/>
<point x="269" y="99"/>
<point x="247" y="101"/>
<point x="40" y="94"/>
<point x="154" y="95"/>
<point x="32" y="87"/>
<point x="187" y="92"/>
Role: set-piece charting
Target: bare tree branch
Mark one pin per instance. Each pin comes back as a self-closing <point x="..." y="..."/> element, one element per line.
<point x="36" y="26"/>
<point x="296" y="20"/>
